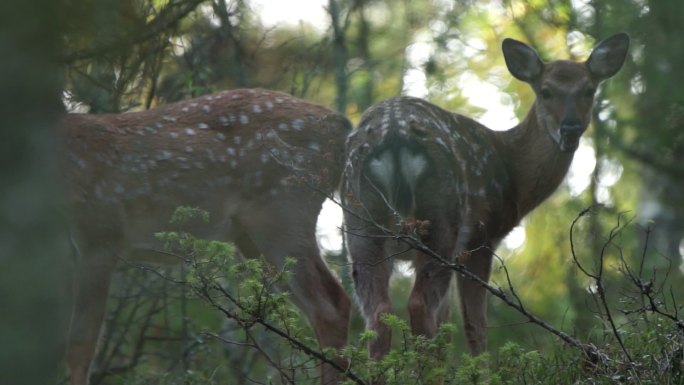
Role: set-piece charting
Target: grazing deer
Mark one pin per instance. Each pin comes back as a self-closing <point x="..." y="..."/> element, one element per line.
<point x="240" y="155"/>
<point x="460" y="186"/>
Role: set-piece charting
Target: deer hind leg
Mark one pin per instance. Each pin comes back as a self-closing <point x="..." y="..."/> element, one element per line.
<point x="371" y="271"/>
<point x="474" y="299"/>
<point x="277" y="233"/>
<point x="429" y="300"/>
<point x="327" y="306"/>
<point x="91" y="289"/>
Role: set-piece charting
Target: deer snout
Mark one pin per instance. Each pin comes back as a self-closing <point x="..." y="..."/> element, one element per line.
<point x="570" y="131"/>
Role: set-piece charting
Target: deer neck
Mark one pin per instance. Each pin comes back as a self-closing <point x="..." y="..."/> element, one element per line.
<point x="537" y="165"/>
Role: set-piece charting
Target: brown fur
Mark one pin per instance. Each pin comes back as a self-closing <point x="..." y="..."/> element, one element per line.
<point x="412" y="162"/>
<point x="254" y="159"/>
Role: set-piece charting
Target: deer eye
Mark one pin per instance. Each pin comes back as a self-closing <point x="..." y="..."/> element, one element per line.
<point x="546" y="94"/>
<point x="589" y="92"/>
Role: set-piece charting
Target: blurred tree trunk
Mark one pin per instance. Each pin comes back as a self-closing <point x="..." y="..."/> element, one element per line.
<point x="33" y="246"/>
<point x="234" y="34"/>
<point x="340" y="54"/>
<point x="365" y="99"/>
<point x="663" y="102"/>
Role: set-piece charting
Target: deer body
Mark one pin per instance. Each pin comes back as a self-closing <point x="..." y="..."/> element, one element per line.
<point x="460" y="187"/>
<point x="254" y="159"/>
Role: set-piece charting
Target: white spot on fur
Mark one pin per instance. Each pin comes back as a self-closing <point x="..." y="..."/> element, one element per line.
<point x="264" y="158"/>
<point x="210" y="155"/>
<point x="119" y="189"/>
<point x="256" y="108"/>
<point x="220" y="136"/>
<point x="314" y="146"/>
<point x="237" y="139"/>
<point x="203" y="126"/>
<point x="244" y="119"/>
<point x="269" y="104"/>
<point x="230" y="151"/>
<point x="190" y="131"/>
<point x="283" y="127"/>
<point x="173" y="135"/>
<point x="298" y="124"/>
<point x="206" y="108"/>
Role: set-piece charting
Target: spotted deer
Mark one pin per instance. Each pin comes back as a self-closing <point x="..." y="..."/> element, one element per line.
<point x="459" y="186"/>
<point x="256" y="160"/>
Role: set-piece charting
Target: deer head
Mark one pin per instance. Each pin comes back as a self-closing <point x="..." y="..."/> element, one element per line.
<point x="565" y="89"/>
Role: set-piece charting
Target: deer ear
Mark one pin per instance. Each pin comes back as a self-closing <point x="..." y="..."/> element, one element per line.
<point x="522" y="60"/>
<point x="608" y="56"/>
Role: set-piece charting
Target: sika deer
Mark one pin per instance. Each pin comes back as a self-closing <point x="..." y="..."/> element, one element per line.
<point x="233" y="154"/>
<point x="411" y="162"/>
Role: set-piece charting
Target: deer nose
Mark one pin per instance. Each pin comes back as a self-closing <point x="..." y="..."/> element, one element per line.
<point x="571" y="128"/>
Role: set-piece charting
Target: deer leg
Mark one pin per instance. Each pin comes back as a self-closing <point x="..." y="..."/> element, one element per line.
<point x="91" y="289"/>
<point x="428" y="304"/>
<point x="371" y="272"/>
<point x="371" y="267"/>
<point x="278" y="234"/>
<point x="474" y="298"/>
<point x="327" y="306"/>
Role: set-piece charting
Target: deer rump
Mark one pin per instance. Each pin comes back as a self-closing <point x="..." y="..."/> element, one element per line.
<point x="425" y="163"/>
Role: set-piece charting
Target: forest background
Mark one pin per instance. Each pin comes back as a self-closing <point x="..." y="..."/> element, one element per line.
<point x="123" y="55"/>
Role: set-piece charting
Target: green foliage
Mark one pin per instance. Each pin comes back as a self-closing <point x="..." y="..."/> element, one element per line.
<point x="657" y="344"/>
<point x="268" y="327"/>
<point x="184" y="214"/>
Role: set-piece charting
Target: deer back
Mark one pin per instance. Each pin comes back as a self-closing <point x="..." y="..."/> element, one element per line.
<point x="219" y="152"/>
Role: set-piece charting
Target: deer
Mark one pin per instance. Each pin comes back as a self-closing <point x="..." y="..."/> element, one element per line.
<point x="458" y="187"/>
<point x="259" y="162"/>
